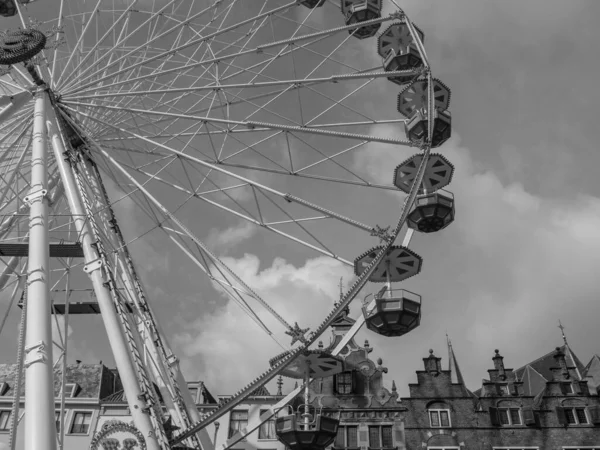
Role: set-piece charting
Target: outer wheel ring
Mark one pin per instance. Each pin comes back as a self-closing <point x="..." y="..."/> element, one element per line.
<point x="21" y="45"/>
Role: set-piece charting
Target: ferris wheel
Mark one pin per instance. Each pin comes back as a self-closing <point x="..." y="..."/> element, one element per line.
<point x="200" y="112"/>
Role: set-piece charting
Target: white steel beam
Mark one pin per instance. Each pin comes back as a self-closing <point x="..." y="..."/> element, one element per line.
<point x="40" y="428"/>
<point x="108" y="312"/>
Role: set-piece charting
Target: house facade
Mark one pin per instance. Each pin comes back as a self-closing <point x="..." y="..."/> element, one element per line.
<point x="551" y="403"/>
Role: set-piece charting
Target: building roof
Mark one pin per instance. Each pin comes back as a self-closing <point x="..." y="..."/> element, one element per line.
<point x="535" y="374"/>
<point x="544" y="364"/>
<point x="117" y="397"/>
<point x="88" y="378"/>
<point x="262" y="391"/>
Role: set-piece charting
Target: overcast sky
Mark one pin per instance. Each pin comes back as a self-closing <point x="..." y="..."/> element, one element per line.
<point x="522" y="253"/>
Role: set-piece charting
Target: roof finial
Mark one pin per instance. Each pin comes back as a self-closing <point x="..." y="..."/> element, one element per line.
<point x="448" y="340"/>
<point x="279" y="385"/>
<point x="562" y="330"/>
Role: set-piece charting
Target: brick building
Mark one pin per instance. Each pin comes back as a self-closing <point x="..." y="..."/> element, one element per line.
<point x="551" y="403"/>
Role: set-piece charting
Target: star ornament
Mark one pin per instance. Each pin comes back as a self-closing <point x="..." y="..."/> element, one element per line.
<point x="297" y="333"/>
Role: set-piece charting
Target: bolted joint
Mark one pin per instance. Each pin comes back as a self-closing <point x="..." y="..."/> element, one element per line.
<point x="34" y="196"/>
<point x="92" y="266"/>
<point x="39" y="354"/>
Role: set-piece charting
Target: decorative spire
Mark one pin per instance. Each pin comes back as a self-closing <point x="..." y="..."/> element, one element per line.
<point x="562" y="330"/>
<point x="455" y="374"/>
<point x="279" y="385"/>
<point x="394" y="389"/>
<point x="341" y="288"/>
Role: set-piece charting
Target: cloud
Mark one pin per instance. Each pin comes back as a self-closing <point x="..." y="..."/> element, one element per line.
<point x="213" y="342"/>
<point x="224" y="240"/>
<point x="507" y="269"/>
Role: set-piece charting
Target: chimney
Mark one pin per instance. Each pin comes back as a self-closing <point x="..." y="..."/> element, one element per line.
<point x="433" y="364"/>
<point x="499" y="364"/>
<point x="559" y="356"/>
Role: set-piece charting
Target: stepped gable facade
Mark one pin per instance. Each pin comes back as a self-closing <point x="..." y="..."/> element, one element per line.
<point x="544" y="405"/>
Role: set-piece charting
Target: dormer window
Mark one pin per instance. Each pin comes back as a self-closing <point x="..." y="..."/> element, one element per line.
<point x="71" y="390"/>
<point x="343" y="383"/>
<point x="4" y="387"/>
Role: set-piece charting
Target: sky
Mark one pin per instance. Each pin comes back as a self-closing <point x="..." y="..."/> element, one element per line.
<point x="521" y="255"/>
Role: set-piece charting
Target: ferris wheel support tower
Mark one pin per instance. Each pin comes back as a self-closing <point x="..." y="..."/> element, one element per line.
<point x="39" y="401"/>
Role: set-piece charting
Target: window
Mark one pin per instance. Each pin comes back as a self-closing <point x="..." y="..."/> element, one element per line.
<point x="503" y="389"/>
<point x="194" y="394"/>
<point x="567" y="388"/>
<point x="4" y="387"/>
<point x="267" y="429"/>
<point x="380" y="436"/>
<point x="439" y="418"/>
<point x="343" y="383"/>
<point x="572" y="415"/>
<point x="71" y="390"/>
<point x="509" y="416"/>
<point x="575" y="416"/>
<point x="81" y="422"/>
<point x="347" y="437"/>
<point x="238" y="421"/>
<point x="5" y="419"/>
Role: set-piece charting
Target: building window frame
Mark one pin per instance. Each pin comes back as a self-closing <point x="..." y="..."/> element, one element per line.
<point x="437" y="412"/>
<point x="194" y="391"/>
<point x="575" y="414"/>
<point x="344" y="429"/>
<point x="267" y="427"/>
<point x="240" y="424"/>
<point x="567" y="388"/>
<point x="74" y="416"/>
<point x="344" y="382"/>
<point x="508" y="411"/>
<point x="5" y="426"/>
<point x="503" y="390"/>
<point x="71" y="390"/>
<point x="380" y="437"/>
